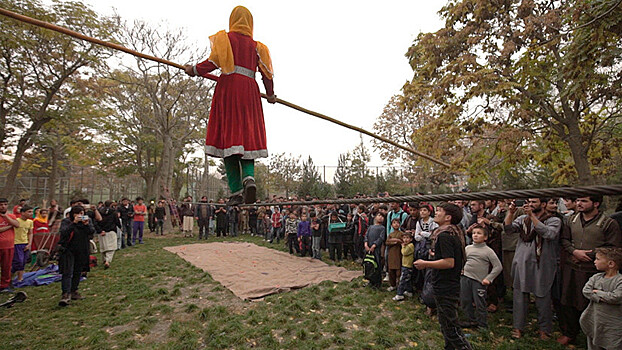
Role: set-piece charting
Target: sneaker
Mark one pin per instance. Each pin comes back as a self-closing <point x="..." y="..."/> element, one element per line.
<point x="398" y="298"/>
<point x="6" y="290"/>
<point x="64" y="300"/>
<point x="76" y="296"/>
<point x="390" y="289"/>
<point x="408" y="294"/>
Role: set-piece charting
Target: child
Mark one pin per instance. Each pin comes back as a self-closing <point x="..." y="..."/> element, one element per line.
<point x="394" y="256"/>
<point x="445" y="276"/>
<point x="603" y="316"/>
<point x="475" y="278"/>
<point x="23" y="241"/>
<point x="425" y="224"/>
<point x="373" y="243"/>
<point x="276" y="225"/>
<point x="235" y="129"/>
<point x="291" y="231"/>
<point x="316" y="238"/>
<point x="304" y="236"/>
<point x="408" y="250"/>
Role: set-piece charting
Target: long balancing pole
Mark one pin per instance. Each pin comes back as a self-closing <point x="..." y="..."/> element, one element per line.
<point x="114" y="46"/>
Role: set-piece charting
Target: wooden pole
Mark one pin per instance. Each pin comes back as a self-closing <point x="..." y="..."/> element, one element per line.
<point x="114" y="46"/>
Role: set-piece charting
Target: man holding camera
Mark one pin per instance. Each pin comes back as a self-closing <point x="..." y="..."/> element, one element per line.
<point x="535" y="263"/>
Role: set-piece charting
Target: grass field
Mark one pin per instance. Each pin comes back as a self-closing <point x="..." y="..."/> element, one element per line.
<point x="152" y="299"/>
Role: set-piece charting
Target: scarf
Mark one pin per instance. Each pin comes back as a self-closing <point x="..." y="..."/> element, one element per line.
<point x="40" y="219"/>
<point x="240" y="21"/>
<point x="528" y="234"/>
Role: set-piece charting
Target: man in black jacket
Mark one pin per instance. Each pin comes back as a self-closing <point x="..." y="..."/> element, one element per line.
<point x="203" y="214"/>
<point x="126" y="213"/>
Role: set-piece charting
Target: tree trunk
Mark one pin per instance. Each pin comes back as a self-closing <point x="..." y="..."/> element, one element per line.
<point x="22" y="145"/>
<point x="53" y="174"/>
<point x="574" y="140"/>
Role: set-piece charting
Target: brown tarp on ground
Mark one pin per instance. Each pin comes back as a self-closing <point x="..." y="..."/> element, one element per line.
<point x="252" y="272"/>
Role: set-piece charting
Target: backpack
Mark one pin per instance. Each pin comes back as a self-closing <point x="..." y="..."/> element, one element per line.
<point x="427" y="292"/>
<point x="369" y="266"/>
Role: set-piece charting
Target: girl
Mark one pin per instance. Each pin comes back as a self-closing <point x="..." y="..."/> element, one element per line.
<point x="235" y="129"/>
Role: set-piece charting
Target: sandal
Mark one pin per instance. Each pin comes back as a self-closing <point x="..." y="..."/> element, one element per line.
<point x="516" y="333"/>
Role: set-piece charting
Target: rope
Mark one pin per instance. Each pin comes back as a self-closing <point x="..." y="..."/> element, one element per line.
<point x="114" y="46"/>
<point x="565" y="192"/>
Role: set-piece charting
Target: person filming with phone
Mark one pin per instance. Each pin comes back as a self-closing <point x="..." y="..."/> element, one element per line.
<point x="73" y="248"/>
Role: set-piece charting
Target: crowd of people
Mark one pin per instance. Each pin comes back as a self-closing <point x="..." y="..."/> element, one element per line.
<point x="562" y="253"/>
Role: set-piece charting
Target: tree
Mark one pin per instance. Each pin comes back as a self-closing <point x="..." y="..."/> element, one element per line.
<point x="352" y="175"/>
<point x="308" y="179"/>
<point x="551" y="66"/>
<point x="286" y="171"/>
<point x="37" y="66"/>
<point x="343" y="175"/>
<point x="177" y="106"/>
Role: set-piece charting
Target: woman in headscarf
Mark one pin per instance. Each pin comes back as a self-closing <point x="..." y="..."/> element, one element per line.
<point x="236" y="130"/>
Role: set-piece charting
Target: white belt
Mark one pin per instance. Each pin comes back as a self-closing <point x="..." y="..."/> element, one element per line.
<point x="244" y="71"/>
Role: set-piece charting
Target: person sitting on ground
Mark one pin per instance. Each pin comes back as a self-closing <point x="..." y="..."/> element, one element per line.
<point x="475" y="278"/>
<point x="405" y="288"/>
<point x="603" y="316"/>
<point x="394" y="258"/>
<point x="73" y="253"/>
<point x="23" y="241"/>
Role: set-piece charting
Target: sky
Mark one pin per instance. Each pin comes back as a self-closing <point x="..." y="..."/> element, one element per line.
<point x="344" y="59"/>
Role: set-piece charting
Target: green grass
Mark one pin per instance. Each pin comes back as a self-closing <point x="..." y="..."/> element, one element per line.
<point x="152" y="299"/>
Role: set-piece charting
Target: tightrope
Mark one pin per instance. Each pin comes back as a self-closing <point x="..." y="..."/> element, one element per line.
<point x="565" y="192"/>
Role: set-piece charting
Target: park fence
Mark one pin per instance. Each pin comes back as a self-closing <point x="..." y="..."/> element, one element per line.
<point x="89" y="183"/>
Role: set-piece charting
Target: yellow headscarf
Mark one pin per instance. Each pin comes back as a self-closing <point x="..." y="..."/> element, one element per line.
<point x="240" y="21"/>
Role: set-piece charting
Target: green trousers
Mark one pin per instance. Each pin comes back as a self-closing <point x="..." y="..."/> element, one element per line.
<point x="238" y="170"/>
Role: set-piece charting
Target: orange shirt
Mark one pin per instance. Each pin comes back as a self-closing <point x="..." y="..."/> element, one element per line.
<point x="7" y="238"/>
<point x="139" y="208"/>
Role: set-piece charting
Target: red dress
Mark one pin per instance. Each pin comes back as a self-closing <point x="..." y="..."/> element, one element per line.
<point x="236" y="123"/>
